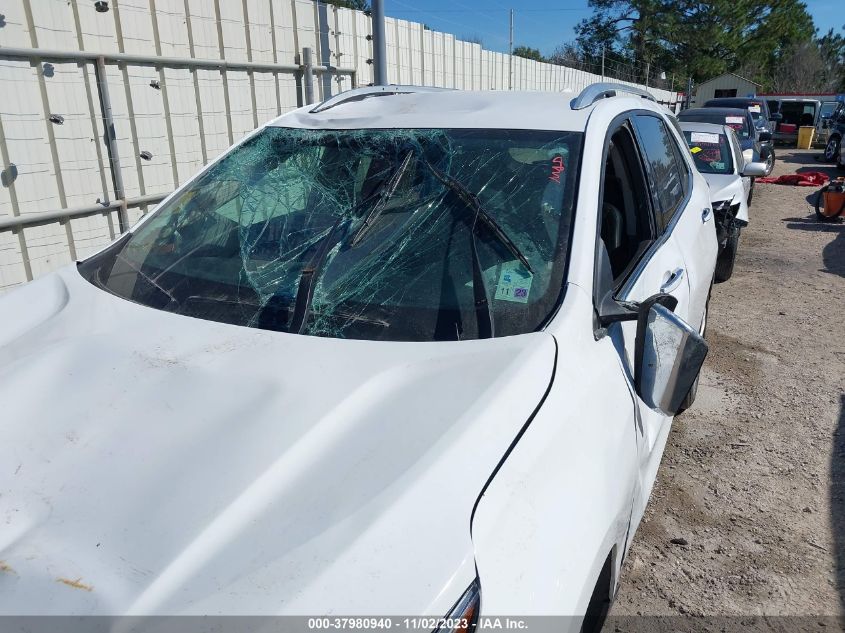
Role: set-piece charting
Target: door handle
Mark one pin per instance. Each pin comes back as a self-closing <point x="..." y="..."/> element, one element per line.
<point x="673" y="280"/>
<point x="706" y="214"/>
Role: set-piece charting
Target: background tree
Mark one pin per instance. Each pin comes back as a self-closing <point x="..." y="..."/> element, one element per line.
<point x="698" y="38"/>
<point x="528" y="53"/>
<point x="358" y="5"/>
<point x="832" y="52"/>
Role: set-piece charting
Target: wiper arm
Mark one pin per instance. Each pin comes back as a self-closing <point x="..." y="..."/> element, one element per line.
<point x="384" y="194"/>
<point x="308" y="278"/>
<point x="483" y="312"/>
<point x="311" y="271"/>
<point x="472" y="201"/>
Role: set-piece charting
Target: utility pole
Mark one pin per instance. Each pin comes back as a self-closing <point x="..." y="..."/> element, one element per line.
<point x="647" y="68"/>
<point x="379" y="44"/>
<point x="689" y="92"/>
<point x="510" y="55"/>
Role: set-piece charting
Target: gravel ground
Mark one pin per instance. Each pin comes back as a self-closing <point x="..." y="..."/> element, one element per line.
<point x="753" y="477"/>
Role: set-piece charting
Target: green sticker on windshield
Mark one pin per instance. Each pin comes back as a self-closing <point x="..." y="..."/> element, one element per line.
<point x="514" y="283"/>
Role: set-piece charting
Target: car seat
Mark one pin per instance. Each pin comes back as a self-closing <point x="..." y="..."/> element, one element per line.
<point x="613" y="223"/>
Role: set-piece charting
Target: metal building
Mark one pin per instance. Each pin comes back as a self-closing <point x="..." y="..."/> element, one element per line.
<point x="725" y="85"/>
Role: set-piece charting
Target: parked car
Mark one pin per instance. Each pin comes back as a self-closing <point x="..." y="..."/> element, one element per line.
<point x="801" y="111"/>
<point x="717" y="155"/>
<point x="750" y="138"/>
<point x="763" y="121"/>
<point x="833" y="126"/>
<point x="370" y="361"/>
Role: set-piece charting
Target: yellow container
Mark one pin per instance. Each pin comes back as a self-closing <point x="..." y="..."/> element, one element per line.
<point x="805" y="136"/>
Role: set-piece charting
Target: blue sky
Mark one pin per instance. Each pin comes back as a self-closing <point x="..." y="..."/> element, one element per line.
<point x="538" y="24"/>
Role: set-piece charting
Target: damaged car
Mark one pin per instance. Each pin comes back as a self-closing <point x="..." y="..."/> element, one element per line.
<point x="404" y="352"/>
<point x="717" y="155"/>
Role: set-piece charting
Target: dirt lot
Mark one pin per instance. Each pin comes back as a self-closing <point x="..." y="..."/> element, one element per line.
<point x="753" y="478"/>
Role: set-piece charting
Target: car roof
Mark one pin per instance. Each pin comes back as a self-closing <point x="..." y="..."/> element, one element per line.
<point x="795" y="99"/>
<point x="695" y="126"/>
<point x="713" y="111"/>
<point x="726" y="101"/>
<point x="468" y="109"/>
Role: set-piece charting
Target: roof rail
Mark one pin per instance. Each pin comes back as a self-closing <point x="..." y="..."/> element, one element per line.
<point x="602" y="90"/>
<point x="359" y="94"/>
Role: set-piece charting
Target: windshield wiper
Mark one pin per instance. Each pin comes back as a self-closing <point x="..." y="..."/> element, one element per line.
<point x="472" y="201"/>
<point x="308" y="277"/>
<point x="483" y="312"/>
<point x="384" y="193"/>
<point x="311" y="271"/>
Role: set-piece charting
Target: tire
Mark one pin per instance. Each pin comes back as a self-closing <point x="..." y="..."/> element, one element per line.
<point x="600" y="602"/>
<point x="726" y="259"/>
<point x="831" y="150"/>
<point x="751" y="193"/>
<point x="770" y="165"/>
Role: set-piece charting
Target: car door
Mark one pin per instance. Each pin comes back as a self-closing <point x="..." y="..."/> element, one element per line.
<point x="684" y="211"/>
<point x="690" y="220"/>
<point x="645" y="259"/>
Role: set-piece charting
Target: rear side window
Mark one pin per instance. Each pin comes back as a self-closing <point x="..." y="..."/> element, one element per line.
<point x="662" y="155"/>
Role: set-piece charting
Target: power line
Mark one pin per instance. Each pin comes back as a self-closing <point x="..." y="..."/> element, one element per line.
<point x="463" y="27"/>
<point x="503" y="10"/>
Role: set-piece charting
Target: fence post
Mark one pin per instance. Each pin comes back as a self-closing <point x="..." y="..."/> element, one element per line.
<point x="379" y="44"/>
<point x="111" y="143"/>
<point x="308" y="75"/>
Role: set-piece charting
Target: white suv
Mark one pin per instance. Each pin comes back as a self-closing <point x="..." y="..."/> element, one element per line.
<point x="406" y="352"/>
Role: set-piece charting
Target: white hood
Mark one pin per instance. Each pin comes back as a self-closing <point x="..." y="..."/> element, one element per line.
<point x="154" y="463"/>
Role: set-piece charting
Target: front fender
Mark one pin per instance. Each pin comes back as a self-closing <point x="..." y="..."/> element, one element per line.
<point x="561" y="501"/>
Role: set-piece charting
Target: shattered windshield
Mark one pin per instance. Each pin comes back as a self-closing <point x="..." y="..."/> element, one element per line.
<point x="411" y="235"/>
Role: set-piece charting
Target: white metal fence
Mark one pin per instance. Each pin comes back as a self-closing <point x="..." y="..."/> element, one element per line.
<point x="102" y="113"/>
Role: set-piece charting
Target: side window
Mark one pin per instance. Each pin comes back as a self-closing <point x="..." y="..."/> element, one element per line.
<point x="666" y="176"/>
<point x="626" y="223"/>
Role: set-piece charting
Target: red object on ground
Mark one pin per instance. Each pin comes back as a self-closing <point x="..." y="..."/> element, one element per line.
<point x="807" y="179"/>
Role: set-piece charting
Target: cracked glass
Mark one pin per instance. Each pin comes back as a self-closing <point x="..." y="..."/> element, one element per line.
<point x="399" y="234"/>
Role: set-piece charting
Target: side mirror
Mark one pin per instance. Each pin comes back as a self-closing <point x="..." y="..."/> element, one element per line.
<point x="669" y="355"/>
<point x="754" y="169"/>
<point x="776" y="116"/>
<point x="765" y="136"/>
